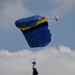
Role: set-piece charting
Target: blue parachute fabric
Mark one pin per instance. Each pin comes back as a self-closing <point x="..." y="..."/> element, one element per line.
<point x="28" y="22"/>
<point x="34" y="62"/>
<point x="39" y="37"/>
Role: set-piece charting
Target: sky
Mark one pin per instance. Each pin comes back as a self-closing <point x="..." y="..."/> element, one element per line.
<point x="56" y="58"/>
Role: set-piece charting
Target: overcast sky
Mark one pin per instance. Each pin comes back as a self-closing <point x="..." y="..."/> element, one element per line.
<point x="57" y="58"/>
<point x="62" y="31"/>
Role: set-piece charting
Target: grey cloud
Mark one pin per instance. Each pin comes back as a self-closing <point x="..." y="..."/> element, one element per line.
<point x="51" y="61"/>
<point x="62" y="7"/>
<point x="12" y="10"/>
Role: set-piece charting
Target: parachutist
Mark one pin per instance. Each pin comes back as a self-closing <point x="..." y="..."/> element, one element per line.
<point x="35" y="72"/>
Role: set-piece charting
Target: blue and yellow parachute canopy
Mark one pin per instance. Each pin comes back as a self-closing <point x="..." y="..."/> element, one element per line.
<point x="35" y="30"/>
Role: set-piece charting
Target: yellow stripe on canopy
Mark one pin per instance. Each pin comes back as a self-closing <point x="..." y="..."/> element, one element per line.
<point x="39" y="22"/>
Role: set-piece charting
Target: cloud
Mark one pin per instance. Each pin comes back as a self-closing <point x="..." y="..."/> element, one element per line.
<point x="62" y="7"/>
<point x="51" y="61"/>
<point x="11" y="10"/>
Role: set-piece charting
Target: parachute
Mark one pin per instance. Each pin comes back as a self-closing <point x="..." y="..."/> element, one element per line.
<point x="35" y="30"/>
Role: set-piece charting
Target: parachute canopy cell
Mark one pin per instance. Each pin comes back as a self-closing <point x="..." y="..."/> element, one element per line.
<point x="35" y="30"/>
